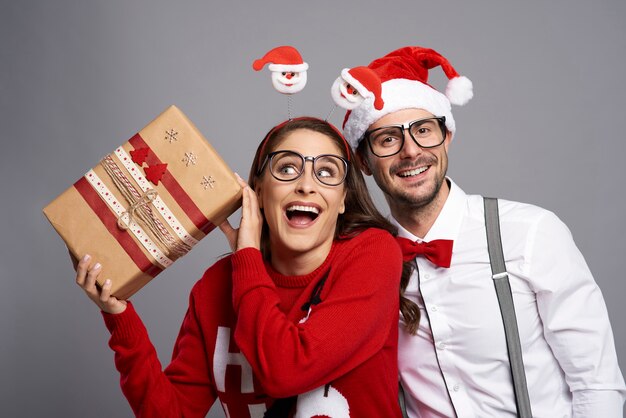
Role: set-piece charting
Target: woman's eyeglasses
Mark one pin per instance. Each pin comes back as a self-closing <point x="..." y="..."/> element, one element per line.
<point x="328" y="169"/>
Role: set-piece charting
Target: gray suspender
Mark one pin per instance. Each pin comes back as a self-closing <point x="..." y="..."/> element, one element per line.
<point x="402" y="400"/>
<point x="505" y="299"/>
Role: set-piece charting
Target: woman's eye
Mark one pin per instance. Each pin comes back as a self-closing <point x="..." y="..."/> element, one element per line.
<point x="325" y="172"/>
<point x="288" y="169"/>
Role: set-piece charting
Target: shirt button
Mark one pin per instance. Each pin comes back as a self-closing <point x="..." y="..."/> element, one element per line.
<point x="441" y="345"/>
<point x="427" y="276"/>
<point x="456" y="388"/>
<point x="433" y="308"/>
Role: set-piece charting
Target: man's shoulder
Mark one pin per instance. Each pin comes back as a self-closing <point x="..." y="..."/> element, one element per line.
<point x="520" y="223"/>
<point x="510" y="210"/>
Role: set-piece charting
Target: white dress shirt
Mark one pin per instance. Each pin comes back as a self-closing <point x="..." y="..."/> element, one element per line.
<point x="457" y="364"/>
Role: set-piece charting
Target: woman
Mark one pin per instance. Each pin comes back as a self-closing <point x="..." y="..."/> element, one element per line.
<point x="306" y="305"/>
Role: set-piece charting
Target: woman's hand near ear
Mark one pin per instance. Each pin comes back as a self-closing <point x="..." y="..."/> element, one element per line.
<point x="249" y="232"/>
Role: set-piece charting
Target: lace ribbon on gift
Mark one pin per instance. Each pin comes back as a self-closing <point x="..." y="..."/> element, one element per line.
<point x="139" y="209"/>
<point x="99" y="193"/>
<point x="144" y="185"/>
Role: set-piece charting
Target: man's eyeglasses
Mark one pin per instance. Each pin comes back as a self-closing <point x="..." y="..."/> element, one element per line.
<point x="389" y="140"/>
<point x="328" y="169"/>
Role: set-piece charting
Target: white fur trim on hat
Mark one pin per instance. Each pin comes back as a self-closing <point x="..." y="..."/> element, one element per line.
<point x="398" y="94"/>
<point x="289" y="67"/>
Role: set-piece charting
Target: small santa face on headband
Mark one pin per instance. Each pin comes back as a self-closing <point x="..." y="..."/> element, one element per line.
<point x="355" y="85"/>
<point x="288" y="82"/>
<point x="287" y="67"/>
<point x="345" y="95"/>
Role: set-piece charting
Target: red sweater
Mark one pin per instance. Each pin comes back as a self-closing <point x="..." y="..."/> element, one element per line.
<point x="248" y="338"/>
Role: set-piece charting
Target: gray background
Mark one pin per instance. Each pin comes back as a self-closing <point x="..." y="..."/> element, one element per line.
<point x="77" y="78"/>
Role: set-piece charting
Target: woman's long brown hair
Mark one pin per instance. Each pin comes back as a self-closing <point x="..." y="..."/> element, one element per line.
<point x="360" y="213"/>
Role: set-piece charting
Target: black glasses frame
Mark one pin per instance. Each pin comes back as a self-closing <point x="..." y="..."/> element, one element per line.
<point x="269" y="158"/>
<point x="441" y="120"/>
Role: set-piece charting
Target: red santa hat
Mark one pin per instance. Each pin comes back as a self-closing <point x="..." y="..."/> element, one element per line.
<point x="404" y="76"/>
<point x="282" y="58"/>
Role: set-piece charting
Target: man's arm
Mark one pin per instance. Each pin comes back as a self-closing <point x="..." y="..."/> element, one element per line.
<point x="575" y="319"/>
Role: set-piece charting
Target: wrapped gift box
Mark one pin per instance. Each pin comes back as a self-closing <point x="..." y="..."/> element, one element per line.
<point x="147" y="203"/>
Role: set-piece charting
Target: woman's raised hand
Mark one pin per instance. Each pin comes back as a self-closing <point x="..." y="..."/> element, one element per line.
<point x="86" y="278"/>
<point x="249" y="232"/>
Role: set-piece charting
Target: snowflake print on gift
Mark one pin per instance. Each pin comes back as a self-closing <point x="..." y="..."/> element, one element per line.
<point x="207" y="181"/>
<point x="171" y="136"/>
<point x="190" y="158"/>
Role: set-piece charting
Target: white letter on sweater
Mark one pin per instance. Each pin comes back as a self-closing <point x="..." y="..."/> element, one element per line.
<point x="222" y="358"/>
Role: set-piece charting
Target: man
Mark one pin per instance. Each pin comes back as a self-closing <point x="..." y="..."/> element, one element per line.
<point x="456" y="364"/>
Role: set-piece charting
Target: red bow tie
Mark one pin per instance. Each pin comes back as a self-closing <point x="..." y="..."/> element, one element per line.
<point x="438" y="252"/>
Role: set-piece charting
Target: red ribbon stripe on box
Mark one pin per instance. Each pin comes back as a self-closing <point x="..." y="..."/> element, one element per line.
<point x="174" y="188"/>
<point x="109" y="220"/>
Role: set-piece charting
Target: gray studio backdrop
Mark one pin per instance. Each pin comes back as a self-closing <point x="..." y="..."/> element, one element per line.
<point x="77" y="78"/>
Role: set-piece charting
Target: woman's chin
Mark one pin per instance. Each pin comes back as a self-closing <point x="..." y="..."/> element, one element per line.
<point x="301" y="241"/>
<point x="298" y="244"/>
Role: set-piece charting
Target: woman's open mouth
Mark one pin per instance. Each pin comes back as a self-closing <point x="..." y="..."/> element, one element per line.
<point x="301" y="215"/>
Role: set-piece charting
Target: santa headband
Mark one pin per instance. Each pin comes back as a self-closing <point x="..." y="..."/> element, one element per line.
<point x="289" y="76"/>
<point x="404" y="76"/>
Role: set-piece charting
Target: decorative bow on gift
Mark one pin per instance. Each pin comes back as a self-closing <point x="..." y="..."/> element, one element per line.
<point x="438" y="252"/>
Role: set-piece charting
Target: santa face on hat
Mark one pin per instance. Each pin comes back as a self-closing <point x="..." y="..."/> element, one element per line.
<point x="288" y="82"/>
<point x="346" y="95"/>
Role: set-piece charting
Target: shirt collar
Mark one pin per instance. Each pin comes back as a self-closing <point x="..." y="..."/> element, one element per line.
<point x="448" y="223"/>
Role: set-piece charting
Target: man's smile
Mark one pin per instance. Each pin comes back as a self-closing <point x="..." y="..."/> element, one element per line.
<point x="413" y="172"/>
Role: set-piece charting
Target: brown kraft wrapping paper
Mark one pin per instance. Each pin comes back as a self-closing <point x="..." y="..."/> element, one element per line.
<point x="147" y="203"/>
